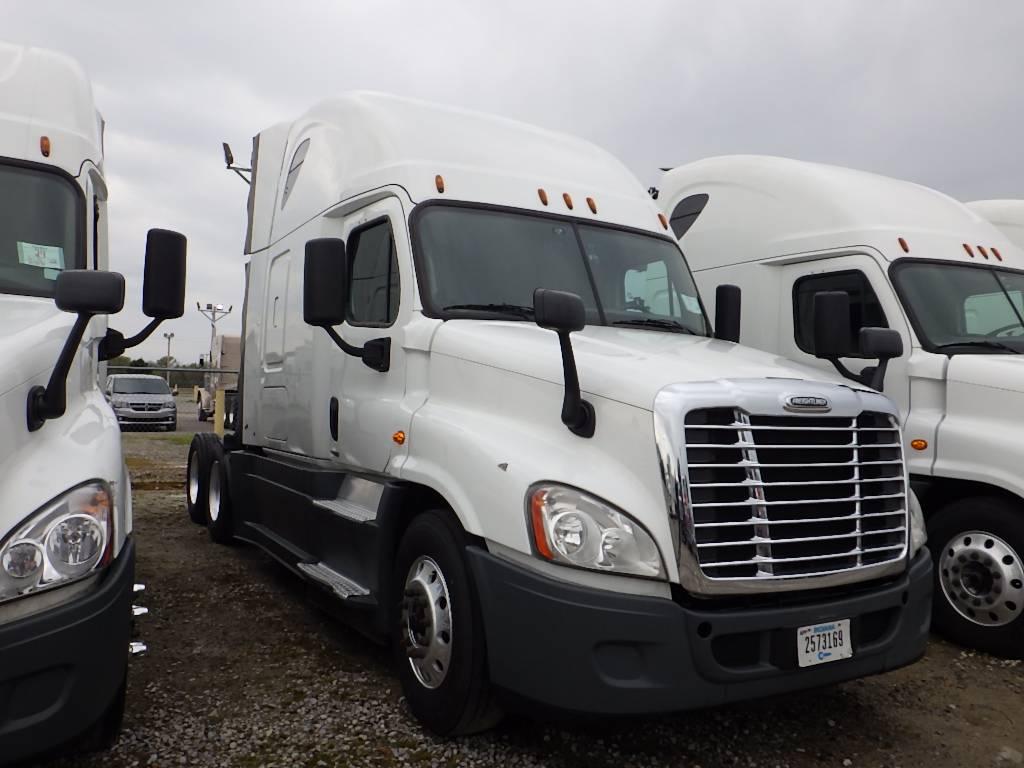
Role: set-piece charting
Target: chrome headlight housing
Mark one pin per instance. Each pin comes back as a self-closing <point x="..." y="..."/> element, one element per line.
<point x="68" y="539"/>
<point x="918" y="530"/>
<point x="572" y="527"/>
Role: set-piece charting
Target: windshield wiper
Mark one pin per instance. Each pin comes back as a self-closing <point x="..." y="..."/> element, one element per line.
<point x="504" y="309"/>
<point x="988" y="343"/>
<point x="652" y="322"/>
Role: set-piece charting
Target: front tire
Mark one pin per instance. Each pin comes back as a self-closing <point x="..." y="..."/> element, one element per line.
<point x="978" y="544"/>
<point x="438" y="639"/>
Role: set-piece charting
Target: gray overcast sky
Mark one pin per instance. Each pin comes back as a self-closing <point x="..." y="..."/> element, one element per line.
<point x="927" y="91"/>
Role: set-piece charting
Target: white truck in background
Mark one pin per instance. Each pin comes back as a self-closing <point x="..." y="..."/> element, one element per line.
<point x="67" y="553"/>
<point x="485" y="414"/>
<point x="226" y="357"/>
<point x="1005" y="215"/>
<point x="914" y="260"/>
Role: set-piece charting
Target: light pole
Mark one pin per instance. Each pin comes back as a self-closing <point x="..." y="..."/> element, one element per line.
<point x="213" y="312"/>
<point x="168" y="336"/>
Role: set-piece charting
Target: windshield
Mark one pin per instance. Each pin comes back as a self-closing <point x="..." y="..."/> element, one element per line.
<point x="959" y="308"/>
<point x="40" y="230"/>
<point x="140" y="387"/>
<point x="481" y="263"/>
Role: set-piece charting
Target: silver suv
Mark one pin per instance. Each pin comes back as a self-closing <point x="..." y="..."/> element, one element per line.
<point x="142" y="401"/>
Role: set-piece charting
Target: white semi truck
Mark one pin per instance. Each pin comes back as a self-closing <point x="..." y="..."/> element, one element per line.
<point x="484" y="412"/>
<point x="918" y="262"/>
<point x="67" y="554"/>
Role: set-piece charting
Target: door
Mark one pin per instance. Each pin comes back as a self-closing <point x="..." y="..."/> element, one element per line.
<point x="872" y="304"/>
<point x="380" y="302"/>
<point x="274" y="402"/>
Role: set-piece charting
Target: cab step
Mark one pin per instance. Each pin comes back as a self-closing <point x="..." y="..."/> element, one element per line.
<point x="341" y="585"/>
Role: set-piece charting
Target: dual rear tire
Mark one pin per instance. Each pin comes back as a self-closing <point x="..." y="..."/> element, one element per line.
<point x="206" y="488"/>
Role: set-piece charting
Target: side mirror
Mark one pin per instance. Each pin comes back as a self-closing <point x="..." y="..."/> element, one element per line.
<point x="163" y="286"/>
<point x="325" y="299"/>
<point x="563" y="313"/>
<point x="881" y="343"/>
<point x="325" y="282"/>
<point x="728" y="301"/>
<point x="832" y="334"/>
<point x="87" y="293"/>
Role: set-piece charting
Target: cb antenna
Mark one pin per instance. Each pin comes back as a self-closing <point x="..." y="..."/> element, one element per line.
<point x="229" y="161"/>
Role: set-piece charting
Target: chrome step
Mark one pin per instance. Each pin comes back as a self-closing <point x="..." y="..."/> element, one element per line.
<point x="348" y="509"/>
<point x="342" y="586"/>
<point x="135" y="648"/>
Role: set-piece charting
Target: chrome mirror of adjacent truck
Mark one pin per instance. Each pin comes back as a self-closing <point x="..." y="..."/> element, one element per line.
<point x="563" y="313"/>
<point x="87" y="294"/>
<point x="325" y="300"/>
<point x="163" y="289"/>
<point x="833" y="337"/>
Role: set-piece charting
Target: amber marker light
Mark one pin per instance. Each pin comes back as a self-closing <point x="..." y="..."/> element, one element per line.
<point x="399" y="437"/>
<point x="537" y="518"/>
<point x="919" y="444"/>
<point x="983" y="252"/>
<point x="995" y="252"/>
<point x="969" y="251"/>
<point x="592" y="205"/>
<point x="568" y="200"/>
<point x="44" y="145"/>
<point x="663" y="220"/>
<point x="903" y="245"/>
<point x="439" y="182"/>
<point x="543" y="196"/>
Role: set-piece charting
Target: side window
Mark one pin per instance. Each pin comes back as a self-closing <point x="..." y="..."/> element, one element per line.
<point x="686" y="212"/>
<point x="865" y="309"/>
<point x="373" y="276"/>
<point x="293" y="170"/>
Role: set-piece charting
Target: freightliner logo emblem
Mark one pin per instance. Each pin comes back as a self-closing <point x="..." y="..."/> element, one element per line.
<point x="808" y="403"/>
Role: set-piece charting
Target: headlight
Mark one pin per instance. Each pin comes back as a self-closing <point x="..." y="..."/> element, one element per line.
<point x="918" y="531"/>
<point x="66" y="540"/>
<point x="574" y="528"/>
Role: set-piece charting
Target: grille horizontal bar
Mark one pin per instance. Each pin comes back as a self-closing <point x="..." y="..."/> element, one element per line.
<point x="836" y="484"/>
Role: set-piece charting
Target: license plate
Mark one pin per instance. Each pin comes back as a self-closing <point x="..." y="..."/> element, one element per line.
<point x="822" y="643"/>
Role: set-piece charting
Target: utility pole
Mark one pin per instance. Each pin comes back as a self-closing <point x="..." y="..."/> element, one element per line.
<point x="213" y="312"/>
<point x="168" y="336"/>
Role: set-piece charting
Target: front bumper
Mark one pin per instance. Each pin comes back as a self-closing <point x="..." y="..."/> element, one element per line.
<point x="591" y="651"/>
<point x="61" y="669"/>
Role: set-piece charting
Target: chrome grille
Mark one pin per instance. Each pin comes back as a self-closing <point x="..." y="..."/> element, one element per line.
<point x="148" y="407"/>
<point x="784" y="496"/>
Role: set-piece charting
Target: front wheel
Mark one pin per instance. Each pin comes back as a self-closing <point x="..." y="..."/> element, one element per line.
<point x="439" y="635"/>
<point x="979" y="575"/>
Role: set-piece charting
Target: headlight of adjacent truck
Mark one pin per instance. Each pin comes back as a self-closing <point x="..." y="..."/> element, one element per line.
<point x="918" y="531"/>
<point x="65" y="541"/>
<point x="572" y="527"/>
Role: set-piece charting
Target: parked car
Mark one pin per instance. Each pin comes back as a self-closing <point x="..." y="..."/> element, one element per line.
<point x="141" y="400"/>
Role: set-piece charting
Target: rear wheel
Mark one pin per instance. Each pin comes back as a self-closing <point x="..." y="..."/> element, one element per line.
<point x="439" y="635"/>
<point x="204" y="449"/>
<point x="218" y="505"/>
<point x="979" y="575"/>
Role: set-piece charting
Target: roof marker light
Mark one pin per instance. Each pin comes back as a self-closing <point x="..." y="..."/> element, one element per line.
<point x="903" y="245"/>
<point x="592" y="205"/>
<point x="982" y="251"/>
<point x="543" y="196"/>
<point x="439" y="183"/>
<point x="663" y="220"/>
<point x="44" y="145"/>
<point x="995" y="252"/>
<point x="568" y="200"/>
<point x="969" y="251"/>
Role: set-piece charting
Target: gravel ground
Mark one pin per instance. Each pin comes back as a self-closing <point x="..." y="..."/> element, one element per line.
<point x="244" y="671"/>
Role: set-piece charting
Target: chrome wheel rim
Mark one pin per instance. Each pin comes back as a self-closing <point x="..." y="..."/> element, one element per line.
<point x="427" y="622"/>
<point x="193" y="479"/>
<point x="982" y="577"/>
<point x="214" y="494"/>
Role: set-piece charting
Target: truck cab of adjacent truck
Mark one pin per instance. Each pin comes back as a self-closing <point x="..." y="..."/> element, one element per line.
<point x="1006" y="215"/>
<point x="67" y="553"/>
<point x="484" y="411"/>
<point x="950" y="283"/>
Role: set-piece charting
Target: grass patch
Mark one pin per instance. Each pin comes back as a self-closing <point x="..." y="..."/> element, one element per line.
<point x="176" y="439"/>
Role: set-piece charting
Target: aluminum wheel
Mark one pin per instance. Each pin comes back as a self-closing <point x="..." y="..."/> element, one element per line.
<point x="213" y="497"/>
<point x="983" y="578"/>
<point x="427" y="622"/>
<point x="193" y="478"/>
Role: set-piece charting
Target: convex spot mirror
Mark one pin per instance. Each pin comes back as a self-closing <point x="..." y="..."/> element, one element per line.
<point x="558" y="310"/>
<point x="87" y="292"/>
<point x="163" y="286"/>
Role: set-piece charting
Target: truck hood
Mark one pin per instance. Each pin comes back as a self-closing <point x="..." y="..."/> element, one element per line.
<point x="1005" y="372"/>
<point x="624" y="364"/>
<point x="31" y="336"/>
